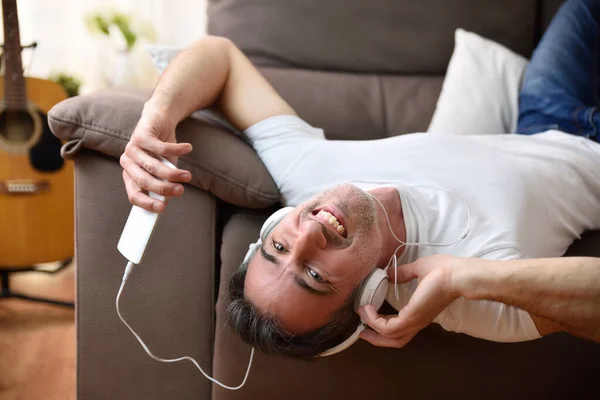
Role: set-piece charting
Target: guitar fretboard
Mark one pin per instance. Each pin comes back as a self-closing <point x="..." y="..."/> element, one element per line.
<point x="14" y="82"/>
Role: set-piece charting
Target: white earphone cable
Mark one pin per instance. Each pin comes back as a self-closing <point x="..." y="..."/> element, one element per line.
<point x="393" y="257"/>
<point x="128" y="271"/>
<point x="462" y="236"/>
<point x="402" y="244"/>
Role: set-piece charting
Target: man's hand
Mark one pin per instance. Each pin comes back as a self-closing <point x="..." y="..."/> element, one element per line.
<point x="436" y="290"/>
<point x="212" y="71"/>
<point x="153" y="135"/>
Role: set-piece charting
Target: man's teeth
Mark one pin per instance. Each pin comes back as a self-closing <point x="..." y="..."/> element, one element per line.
<point x="329" y="217"/>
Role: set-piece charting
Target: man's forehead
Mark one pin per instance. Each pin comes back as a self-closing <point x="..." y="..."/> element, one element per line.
<point x="276" y="293"/>
<point x="257" y="278"/>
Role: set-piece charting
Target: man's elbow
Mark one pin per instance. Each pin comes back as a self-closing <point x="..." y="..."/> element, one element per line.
<point x="216" y="42"/>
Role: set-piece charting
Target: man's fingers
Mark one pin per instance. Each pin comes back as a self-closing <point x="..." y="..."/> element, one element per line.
<point x="377" y="339"/>
<point x="138" y="198"/>
<point x="388" y="325"/>
<point x="154" y="145"/>
<point x="406" y="273"/>
<point x="156" y="168"/>
<point x="147" y="182"/>
<point x="431" y="297"/>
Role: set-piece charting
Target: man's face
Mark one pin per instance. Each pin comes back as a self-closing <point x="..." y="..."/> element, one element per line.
<point x="307" y="268"/>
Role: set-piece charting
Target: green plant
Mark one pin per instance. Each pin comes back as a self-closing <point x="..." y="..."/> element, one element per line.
<point x="131" y="30"/>
<point x="70" y="83"/>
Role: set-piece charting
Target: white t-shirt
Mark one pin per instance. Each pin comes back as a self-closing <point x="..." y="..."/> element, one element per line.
<point x="491" y="196"/>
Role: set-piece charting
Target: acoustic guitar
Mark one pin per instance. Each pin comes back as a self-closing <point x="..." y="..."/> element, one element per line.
<point x="36" y="184"/>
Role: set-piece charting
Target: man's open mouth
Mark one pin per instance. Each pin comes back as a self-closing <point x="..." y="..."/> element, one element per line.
<point x="331" y="221"/>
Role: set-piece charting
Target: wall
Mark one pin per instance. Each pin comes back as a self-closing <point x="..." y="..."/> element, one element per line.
<point x="64" y="43"/>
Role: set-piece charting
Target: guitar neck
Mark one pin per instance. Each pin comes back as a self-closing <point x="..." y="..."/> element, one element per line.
<point x="14" y="81"/>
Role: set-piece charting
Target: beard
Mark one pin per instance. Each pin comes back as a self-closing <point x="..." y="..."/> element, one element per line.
<point x="360" y="214"/>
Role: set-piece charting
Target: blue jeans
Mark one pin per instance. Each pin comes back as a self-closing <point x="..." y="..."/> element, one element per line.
<point x="561" y="86"/>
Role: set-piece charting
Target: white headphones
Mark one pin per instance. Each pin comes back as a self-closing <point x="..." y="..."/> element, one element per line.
<point x="372" y="291"/>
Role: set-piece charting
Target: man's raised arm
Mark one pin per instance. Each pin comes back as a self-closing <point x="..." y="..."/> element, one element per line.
<point x="560" y="294"/>
<point x="211" y="71"/>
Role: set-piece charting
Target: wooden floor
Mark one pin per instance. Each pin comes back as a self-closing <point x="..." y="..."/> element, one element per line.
<point x="37" y="341"/>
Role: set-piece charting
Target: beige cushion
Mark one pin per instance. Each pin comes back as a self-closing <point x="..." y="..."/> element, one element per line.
<point x="221" y="162"/>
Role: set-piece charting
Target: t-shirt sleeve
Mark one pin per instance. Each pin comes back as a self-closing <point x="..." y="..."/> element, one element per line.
<point x="501" y="253"/>
<point x="281" y="141"/>
<point x="487" y="319"/>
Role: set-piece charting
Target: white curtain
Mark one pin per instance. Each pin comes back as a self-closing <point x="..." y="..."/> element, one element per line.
<point x="65" y="45"/>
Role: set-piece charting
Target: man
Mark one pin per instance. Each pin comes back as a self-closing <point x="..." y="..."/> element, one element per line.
<point x="504" y="197"/>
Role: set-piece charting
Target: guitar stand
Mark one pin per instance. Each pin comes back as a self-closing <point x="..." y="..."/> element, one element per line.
<point x="7" y="293"/>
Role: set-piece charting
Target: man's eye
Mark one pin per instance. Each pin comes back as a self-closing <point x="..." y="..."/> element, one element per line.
<point x="279" y="247"/>
<point x="315" y="275"/>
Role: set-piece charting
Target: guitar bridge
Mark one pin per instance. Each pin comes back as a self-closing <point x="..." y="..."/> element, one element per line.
<point x="24" y="186"/>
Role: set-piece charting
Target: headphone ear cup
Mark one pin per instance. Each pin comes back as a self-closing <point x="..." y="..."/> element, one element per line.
<point x="373" y="290"/>
<point x="251" y="249"/>
<point x="273" y="220"/>
<point x="266" y="228"/>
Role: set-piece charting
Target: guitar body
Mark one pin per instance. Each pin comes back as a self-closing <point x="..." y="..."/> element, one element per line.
<point x="36" y="185"/>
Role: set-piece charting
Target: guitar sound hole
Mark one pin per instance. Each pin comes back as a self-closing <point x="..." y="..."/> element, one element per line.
<point x="16" y="126"/>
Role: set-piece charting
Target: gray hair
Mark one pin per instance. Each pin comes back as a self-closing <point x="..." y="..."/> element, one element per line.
<point x="265" y="333"/>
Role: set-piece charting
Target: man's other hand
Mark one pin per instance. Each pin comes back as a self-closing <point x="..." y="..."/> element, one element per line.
<point x="435" y="291"/>
<point x="153" y="135"/>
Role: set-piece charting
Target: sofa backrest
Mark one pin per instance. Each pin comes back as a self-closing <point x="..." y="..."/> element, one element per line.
<point x="367" y="69"/>
<point x="373" y="36"/>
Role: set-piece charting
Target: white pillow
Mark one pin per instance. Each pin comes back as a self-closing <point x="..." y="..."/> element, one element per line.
<point x="480" y="94"/>
<point x="162" y="55"/>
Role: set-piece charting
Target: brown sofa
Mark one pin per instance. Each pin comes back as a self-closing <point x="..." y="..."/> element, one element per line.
<point x="359" y="69"/>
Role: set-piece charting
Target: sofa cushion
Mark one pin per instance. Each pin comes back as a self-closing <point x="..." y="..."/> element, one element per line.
<point x="221" y="162"/>
<point x="358" y="106"/>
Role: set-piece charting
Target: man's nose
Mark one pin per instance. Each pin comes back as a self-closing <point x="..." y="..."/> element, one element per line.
<point x="310" y="237"/>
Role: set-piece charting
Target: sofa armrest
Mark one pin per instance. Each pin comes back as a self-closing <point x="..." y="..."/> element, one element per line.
<point x="169" y="299"/>
<point x="221" y="162"/>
